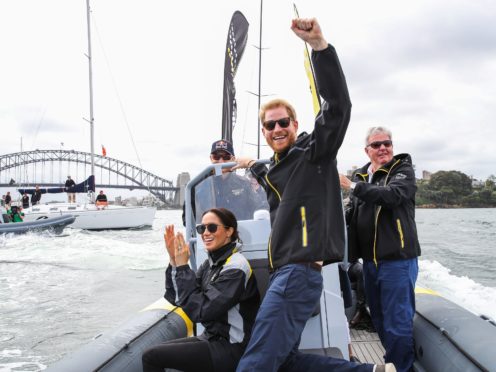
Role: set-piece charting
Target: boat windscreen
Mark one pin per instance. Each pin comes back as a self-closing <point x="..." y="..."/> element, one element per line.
<point x="241" y="195"/>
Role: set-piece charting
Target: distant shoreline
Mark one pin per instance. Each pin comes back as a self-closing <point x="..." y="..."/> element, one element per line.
<point x="453" y="206"/>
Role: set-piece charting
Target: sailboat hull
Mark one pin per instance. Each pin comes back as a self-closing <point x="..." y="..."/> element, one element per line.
<point x="89" y="217"/>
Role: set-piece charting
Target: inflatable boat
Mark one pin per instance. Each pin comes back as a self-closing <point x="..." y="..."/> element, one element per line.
<point x="54" y="224"/>
<point x="447" y="337"/>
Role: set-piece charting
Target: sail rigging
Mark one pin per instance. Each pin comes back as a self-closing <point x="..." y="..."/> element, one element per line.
<point x="90" y="76"/>
<point x="236" y="41"/>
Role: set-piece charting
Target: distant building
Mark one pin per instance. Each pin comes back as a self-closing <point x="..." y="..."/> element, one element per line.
<point x="148" y="201"/>
<point x="426" y="175"/>
<point x="477" y="183"/>
<point x="182" y="180"/>
<point x="133" y="200"/>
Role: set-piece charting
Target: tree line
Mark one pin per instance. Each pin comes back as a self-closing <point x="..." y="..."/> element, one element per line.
<point x="455" y="189"/>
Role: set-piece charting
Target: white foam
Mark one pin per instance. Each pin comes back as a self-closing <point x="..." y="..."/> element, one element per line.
<point x="461" y="290"/>
<point x="28" y="365"/>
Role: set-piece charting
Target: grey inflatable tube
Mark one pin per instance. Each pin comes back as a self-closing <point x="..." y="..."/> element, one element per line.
<point x="121" y="349"/>
<point x="450" y="338"/>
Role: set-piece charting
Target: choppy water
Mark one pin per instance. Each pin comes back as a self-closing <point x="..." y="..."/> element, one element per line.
<point x="56" y="293"/>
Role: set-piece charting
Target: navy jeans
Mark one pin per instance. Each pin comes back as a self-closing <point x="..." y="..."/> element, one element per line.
<point x="291" y="298"/>
<point x="390" y="293"/>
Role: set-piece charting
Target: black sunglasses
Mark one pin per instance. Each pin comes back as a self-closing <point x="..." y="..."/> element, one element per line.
<point x="271" y="124"/>
<point x="377" y="144"/>
<point x="211" y="227"/>
<point x="223" y="157"/>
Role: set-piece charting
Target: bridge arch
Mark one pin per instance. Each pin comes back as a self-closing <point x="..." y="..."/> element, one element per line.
<point x="139" y="178"/>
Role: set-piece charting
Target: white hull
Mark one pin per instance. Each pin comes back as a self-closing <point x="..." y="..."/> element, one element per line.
<point x="88" y="217"/>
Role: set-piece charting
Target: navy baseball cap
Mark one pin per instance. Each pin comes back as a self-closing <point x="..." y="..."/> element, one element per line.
<point x="222" y="145"/>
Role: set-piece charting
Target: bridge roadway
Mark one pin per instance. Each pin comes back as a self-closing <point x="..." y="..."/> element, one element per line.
<point x="133" y="177"/>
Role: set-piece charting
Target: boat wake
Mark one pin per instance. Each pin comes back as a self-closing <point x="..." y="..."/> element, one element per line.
<point x="460" y="289"/>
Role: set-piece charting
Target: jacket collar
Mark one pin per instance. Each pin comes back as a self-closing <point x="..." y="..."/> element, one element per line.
<point x="386" y="167"/>
<point x="221" y="254"/>
<point x="277" y="157"/>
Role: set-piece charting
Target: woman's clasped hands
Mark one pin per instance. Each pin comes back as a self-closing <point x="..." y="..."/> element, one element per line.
<point x="176" y="246"/>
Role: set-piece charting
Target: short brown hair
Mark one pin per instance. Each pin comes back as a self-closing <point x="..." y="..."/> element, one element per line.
<point x="278" y="102"/>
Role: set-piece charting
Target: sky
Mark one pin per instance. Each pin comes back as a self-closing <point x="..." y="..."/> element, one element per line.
<point x="425" y="69"/>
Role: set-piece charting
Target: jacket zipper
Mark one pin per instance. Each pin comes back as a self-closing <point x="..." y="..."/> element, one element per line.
<point x="375" y="233"/>
<point x="270" y="254"/>
<point x="379" y="211"/>
<point x="304" y="239"/>
<point x="400" y="231"/>
<point x="272" y="187"/>
<point x="270" y="238"/>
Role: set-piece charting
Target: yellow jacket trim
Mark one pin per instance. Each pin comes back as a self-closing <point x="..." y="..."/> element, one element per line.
<point x="272" y="187"/>
<point x="375" y="233"/>
<point x="379" y="209"/>
<point x="400" y="231"/>
<point x="304" y="238"/>
<point x="270" y="253"/>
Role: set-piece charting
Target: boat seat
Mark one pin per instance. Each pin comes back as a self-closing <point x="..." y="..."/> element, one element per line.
<point x="261" y="272"/>
<point x="260" y="267"/>
<point x="332" y="352"/>
<point x="346" y="286"/>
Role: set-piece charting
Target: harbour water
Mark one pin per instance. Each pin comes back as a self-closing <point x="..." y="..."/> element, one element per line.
<point x="57" y="293"/>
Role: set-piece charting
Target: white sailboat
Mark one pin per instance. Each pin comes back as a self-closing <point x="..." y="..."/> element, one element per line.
<point x="88" y="215"/>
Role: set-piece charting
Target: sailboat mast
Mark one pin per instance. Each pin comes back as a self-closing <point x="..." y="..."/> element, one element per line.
<point x="91" y="120"/>
<point x="259" y="80"/>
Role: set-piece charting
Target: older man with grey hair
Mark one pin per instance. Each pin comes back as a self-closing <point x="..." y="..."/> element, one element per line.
<point x="383" y="232"/>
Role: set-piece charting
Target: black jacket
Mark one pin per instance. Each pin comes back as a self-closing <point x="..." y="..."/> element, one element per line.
<point x="69" y="183"/>
<point x="36" y="197"/>
<point x="382" y="218"/>
<point x="101" y="197"/>
<point x="222" y="295"/>
<point x="25" y="201"/>
<point x="302" y="184"/>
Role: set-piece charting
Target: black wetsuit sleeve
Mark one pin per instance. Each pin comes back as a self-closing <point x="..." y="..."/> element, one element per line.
<point x="332" y="121"/>
<point x="190" y="280"/>
<point x="259" y="171"/>
<point x="400" y="188"/>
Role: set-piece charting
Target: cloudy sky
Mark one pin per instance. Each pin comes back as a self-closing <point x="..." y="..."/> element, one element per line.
<point x="426" y="69"/>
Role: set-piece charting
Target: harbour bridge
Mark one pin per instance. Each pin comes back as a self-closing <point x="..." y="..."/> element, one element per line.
<point x="49" y="168"/>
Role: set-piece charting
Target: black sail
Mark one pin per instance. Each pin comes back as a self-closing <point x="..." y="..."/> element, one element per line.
<point x="236" y="42"/>
<point x="85" y="186"/>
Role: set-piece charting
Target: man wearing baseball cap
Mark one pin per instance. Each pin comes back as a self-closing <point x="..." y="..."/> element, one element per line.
<point x="222" y="152"/>
<point x="230" y="191"/>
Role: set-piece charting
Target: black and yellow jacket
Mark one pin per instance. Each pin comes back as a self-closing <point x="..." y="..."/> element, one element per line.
<point x="222" y="295"/>
<point x="382" y="218"/>
<point x="302" y="184"/>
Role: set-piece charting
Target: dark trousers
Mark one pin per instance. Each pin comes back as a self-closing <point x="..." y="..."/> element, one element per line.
<point x="186" y="354"/>
<point x="355" y="273"/>
<point x="390" y="293"/>
<point x="291" y="298"/>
